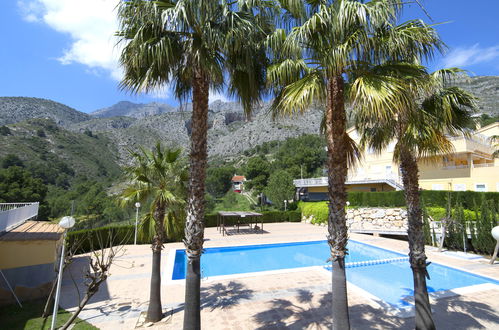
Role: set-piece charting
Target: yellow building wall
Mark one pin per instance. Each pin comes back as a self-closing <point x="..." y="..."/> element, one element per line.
<point x="15" y="254"/>
<point x="484" y="175"/>
<point x="375" y="166"/>
<point x="489" y="130"/>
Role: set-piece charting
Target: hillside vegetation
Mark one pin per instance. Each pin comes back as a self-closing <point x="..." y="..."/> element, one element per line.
<point x="16" y="109"/>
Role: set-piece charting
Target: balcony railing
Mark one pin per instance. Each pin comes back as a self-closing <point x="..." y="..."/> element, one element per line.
<point x="14" y="214"/>
<point x="483" y="165"/>
<point x="319" y="182"/>
<point x="454" y="167"/>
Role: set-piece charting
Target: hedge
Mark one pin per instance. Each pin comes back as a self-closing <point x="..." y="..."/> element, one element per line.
<point x="267" y="217"/>
<point x="432" y="198"/>
<point x="319" y="210"/>
<point x="84" y="240"/>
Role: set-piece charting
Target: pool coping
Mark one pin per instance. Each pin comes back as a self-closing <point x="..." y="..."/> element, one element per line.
<point x="397" y="311"/>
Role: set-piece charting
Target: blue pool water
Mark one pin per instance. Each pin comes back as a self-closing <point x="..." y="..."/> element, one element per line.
<point x="389" y="281"/>
<point x="257" y="258"/>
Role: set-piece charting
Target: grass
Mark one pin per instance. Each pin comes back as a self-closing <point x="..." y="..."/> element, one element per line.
<point x="232" y="202"/>
<point x="28" y="317"/>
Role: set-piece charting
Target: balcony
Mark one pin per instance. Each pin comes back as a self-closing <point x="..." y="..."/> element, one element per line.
<point x="15" y="214"/>
<point x="388" y="178"/>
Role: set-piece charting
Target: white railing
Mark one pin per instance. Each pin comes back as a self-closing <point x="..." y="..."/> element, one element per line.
<point x="314" y="182"/>
<point x="483" y="165"/>
<point x="14" y="214"/>
<point x="455" y="167"/>
<point x="319" y="182"/>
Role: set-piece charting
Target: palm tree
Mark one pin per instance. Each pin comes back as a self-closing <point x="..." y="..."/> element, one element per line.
<point x="421" y="128"/>
<point x="159" y="178"/>
<point x="195" y="46"/>
<point x="326" y="60"/>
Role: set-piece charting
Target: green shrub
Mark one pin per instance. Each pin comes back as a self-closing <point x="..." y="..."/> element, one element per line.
<point x="486" y="219"/>
<point x="86" y="240"/>
<point x="319" y="210"/>
<point x="267" y="217"/>
<point x="433" y="198"/>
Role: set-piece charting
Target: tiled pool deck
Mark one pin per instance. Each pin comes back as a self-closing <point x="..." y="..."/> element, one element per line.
<point x="293" y="300"/>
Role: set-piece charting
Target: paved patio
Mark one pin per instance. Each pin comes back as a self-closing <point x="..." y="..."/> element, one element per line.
<point x="293" y="300"/>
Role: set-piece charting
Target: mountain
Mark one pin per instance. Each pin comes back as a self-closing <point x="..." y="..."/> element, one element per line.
<point x="59" y="154"/>
<point x="230" y="132"/>
<point x="16" y="109"/>
<point x="130" y="109"/>
<point x="486" y="88"/>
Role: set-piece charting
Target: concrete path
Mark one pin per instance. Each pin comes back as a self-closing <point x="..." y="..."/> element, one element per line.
<point x="294" y="300"/>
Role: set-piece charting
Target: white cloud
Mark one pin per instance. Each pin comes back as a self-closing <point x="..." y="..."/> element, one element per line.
<point x="91" y="24"/>
<point x="469" y="56"/>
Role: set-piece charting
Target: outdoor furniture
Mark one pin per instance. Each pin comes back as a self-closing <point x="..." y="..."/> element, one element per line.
<point x="241" y="219"/>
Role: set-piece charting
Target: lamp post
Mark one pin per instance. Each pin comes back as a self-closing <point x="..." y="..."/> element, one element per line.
<point x="137" y="206"/>
<point x="65" y="223"/>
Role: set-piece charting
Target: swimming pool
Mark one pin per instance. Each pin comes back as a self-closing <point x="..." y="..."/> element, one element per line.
<point x="383" y="273"/>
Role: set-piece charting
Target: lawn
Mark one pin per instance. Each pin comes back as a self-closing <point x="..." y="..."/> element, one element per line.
<point x="14" y="317"/>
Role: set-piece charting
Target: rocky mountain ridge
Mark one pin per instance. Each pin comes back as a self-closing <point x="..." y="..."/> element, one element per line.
<point x="128" y="125"/>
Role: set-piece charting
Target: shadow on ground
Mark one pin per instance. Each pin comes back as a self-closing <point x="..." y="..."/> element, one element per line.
<point x="309" y="310"/>
<point x="221" y="296"/>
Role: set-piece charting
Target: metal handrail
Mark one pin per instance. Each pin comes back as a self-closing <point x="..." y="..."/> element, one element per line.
<point x="11" y="206"/>
<point x="15" y="214"/>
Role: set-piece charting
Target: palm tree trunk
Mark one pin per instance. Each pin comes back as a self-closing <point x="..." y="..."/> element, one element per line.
<point x="155" y="308"/>
<point x="337" y="174"/>
<point x="417" y="257"/>
<point x="194" y="225"/>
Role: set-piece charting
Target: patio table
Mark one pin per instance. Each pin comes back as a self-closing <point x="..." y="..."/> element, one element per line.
<point x="242" y="218"/>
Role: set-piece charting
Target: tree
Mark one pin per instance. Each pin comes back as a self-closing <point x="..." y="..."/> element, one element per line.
<point x="430" y="113"/>
<point x="100" y="261"/>
<point x="302" y="156"/>
<point x="18" y="185"/>
<point x="5" y="130"/>
<point x="195" y="46"/>
<point x="257" y="172"/>
<point x="158" y="179"/>
<point x="280" y="188"/>
<point x="327" y="60"/>
<point x="11" y="160"/>
<point x="218" y="180"/>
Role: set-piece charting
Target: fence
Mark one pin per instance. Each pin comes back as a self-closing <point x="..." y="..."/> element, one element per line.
<point x="14" y="214"/>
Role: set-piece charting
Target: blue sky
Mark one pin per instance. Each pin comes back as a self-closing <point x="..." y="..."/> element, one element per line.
<point x="63" y="49"/>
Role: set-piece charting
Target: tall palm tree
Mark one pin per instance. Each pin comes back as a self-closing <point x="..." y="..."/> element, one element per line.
<point x="159" y="178"/>
<point x="195" y="46"/>
<point x="432" y="112"/>
<point x="326" y="60"/>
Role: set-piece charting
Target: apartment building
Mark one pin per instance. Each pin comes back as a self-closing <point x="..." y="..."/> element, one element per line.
<point x="470" y="167"/>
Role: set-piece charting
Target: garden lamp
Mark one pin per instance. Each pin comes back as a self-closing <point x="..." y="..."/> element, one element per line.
<point x="65" y="223"/>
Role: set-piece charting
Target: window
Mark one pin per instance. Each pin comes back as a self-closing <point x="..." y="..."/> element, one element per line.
<point x="459" y="186"/>
<point x="437" y="186"/>
<point x="373" y="189"/>
<point x="391" y="147"/>
<point x="480" y="187"/>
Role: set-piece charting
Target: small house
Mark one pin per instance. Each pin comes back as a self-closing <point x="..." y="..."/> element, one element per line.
<point x="238" y="183"/>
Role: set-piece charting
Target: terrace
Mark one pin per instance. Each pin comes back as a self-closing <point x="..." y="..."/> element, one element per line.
<point x="297" y="299"/>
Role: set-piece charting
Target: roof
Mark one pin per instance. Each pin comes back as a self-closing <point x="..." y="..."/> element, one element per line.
<point x="238" y="178"/>
<point x="34" y="231"/>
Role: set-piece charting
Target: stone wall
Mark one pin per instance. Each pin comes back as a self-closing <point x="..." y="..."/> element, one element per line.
<point x="374" y="219"/>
